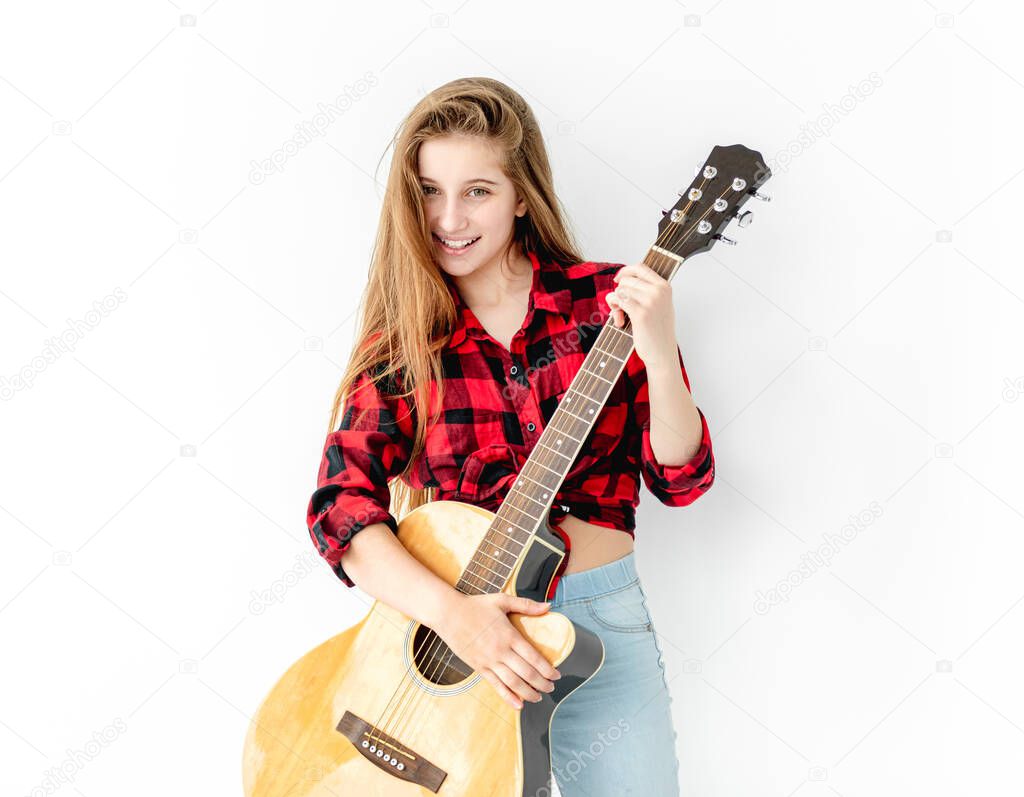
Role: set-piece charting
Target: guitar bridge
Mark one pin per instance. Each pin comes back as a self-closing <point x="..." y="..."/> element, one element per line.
<point x="388" y="754"/>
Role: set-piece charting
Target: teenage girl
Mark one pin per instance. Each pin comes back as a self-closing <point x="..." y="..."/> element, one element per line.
<point x="477" y="313"/>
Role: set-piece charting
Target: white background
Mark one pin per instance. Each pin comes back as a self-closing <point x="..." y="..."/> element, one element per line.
<point x="858" y="354"/>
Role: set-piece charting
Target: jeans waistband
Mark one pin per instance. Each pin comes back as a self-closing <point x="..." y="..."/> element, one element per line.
<point x="597" y="580"/>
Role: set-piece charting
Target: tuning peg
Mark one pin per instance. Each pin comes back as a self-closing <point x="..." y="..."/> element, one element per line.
<point x="762" y="197"/>
<point x="664" y="212"/>
<point x="724" y="240"/>
<point x="745" y="218"/>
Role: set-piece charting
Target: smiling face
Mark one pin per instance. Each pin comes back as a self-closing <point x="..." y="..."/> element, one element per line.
<point x="467" y="198"/>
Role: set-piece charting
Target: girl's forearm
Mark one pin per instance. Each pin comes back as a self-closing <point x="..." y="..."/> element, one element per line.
<point x="381" y="566"/>
<point x="676" y="429"/>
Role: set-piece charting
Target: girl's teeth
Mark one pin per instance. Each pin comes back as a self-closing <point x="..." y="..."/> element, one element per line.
<point x="457" y="244"/>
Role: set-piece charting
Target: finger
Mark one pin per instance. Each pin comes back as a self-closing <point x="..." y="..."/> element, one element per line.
<point x="617" y="315"/>
<point x="516" y="683"/>
<point x="535" y="658"/>
<point x="505" y="693"/>
<point x="646" y="274"/>
<point x="522" y="605"/>
<point x="528" y="672"/>
<point x="639" y="272"/>
<point x="636" y="296"/>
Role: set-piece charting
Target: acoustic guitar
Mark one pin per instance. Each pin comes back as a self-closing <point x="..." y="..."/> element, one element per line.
<point x="385" y="708"/>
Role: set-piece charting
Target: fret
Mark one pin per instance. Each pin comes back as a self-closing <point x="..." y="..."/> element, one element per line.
<point x="507" y="506"/>
<point x="620" y="330"/>
<point x="584" y="395"/>
<point x="566" y="434"/>
<point x="503" y="534"/>
<point x="499" y="575"/>
<point x="574" y="415"/>
<point x="666" y="253"/>
<point x="524" y="476"/>
<point x="591" y="373"/>
<point x="607" y="354"/>
<point x="531" y="498"/>
<point x="555" y="450"/>
<point x="504" y="519"/>
<point x="486" y="582"/>
<point x="538" y="462"/>
<point x="496" y="547"/>
<point x="515" y="485"/>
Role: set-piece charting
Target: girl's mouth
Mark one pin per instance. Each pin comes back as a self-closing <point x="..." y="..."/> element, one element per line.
<point x="454" y="250"/>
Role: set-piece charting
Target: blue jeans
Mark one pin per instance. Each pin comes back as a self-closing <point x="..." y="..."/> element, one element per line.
<point x="614" y="734"/>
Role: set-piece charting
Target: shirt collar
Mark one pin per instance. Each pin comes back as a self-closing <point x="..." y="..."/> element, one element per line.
<point x="550" y="292"/>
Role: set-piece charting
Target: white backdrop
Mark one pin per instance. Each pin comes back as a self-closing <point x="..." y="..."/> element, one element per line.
<point x="175" y="318"/>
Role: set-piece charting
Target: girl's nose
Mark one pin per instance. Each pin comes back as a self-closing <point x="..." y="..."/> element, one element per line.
<point x="453" y="216"/>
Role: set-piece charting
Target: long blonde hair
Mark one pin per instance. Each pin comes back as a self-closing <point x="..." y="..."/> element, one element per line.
<point x="407" y="313"/>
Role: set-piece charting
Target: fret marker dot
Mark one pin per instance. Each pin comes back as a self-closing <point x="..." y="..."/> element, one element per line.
<point x="591" y="410"/>
<point x="558" y="442"/>
<point x="601" y="364"/>
<point x="544" y="496"/>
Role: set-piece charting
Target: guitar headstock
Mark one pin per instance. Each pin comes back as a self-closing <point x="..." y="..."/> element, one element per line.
<point x="728" y="178"/>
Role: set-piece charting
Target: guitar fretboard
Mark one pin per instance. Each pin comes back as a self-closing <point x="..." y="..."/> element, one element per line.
<point x="529" y="500"/>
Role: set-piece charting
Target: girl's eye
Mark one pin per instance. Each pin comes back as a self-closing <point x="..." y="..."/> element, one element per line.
<point x="429" y="188"/>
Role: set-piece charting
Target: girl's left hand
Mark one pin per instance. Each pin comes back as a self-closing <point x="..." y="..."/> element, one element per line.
<point x="646" y="297"/>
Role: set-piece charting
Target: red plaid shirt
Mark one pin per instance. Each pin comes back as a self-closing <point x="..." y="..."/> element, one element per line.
<point x="496" y="404"/>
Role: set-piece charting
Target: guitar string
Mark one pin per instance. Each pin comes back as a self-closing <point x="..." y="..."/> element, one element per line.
<point x="427" y="638"/>
<point x="587" y="376"/>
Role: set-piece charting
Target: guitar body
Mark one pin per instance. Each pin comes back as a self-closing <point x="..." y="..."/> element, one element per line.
<point x="451" y="731"/>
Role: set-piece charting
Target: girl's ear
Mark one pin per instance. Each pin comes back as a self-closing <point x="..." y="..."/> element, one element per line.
<point x="521" y="207"/>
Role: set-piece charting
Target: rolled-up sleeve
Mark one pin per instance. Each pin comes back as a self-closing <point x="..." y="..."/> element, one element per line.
<point x="371" y="445"/>
<point x="673" y="485"/>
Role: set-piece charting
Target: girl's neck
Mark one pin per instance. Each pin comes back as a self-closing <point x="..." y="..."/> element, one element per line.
<point x="492" y="285"/>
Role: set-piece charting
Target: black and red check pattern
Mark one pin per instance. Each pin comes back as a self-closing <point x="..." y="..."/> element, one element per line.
<point x="496" y="404"/>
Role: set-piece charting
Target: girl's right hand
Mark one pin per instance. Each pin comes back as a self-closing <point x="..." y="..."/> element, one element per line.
<point x="479" y="632"/>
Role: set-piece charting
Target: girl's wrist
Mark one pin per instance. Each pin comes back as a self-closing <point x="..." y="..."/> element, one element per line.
<point x="661" y="365"/>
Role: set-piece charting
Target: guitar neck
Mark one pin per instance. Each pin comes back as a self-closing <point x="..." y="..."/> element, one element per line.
<point x="729" y="177"/>
<point x="527" y="504"/>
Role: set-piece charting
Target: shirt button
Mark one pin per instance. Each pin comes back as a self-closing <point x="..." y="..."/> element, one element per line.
<point x="514" y="370"/>
<point x="531" y="426"/>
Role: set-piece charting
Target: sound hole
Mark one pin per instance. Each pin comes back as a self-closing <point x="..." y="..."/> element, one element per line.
<point x="435" y="660"/>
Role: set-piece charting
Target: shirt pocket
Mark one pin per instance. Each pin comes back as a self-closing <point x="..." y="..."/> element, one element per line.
<point x="488" y="471"/>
